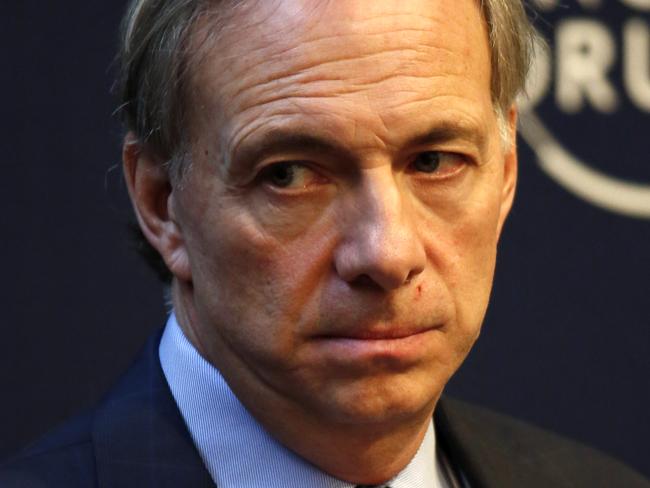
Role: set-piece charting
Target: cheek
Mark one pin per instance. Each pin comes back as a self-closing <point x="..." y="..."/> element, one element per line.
<point x="476" y="239"/>
<point x="462" y="248"/>
<point x="244" y="274"/>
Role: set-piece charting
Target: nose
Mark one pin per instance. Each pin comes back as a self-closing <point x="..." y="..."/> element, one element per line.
<point x="380" y="245"/>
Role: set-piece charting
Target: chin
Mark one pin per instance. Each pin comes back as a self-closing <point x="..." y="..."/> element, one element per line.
<point x="382" y="400"/>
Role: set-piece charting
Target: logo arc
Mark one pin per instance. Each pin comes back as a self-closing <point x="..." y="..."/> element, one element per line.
<point x="612" y="194"/>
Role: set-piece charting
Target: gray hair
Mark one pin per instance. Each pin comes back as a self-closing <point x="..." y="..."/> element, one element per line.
<point x="512" y="40"/>
<point x="155" y="65"/>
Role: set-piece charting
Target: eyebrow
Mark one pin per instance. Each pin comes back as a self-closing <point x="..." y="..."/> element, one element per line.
<point x="278" y="140"/>
<point x="449" y="131"/>
<point x="284" y="139"/>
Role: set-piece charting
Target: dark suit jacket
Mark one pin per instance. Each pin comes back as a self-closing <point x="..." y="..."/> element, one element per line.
<point x="137" y="438"/>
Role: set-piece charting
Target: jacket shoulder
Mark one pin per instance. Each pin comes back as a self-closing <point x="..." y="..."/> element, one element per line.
<point x="513" y="445"/>
<point x="63" y="457"/>
<point x="135" y="437"/>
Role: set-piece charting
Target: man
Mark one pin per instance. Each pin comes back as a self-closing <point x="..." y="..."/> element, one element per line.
<point x="325" y="183"/>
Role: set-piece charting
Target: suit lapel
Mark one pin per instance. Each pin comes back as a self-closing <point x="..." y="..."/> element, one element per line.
<point x="487" y="457"/>
<point x="139" y="435"/>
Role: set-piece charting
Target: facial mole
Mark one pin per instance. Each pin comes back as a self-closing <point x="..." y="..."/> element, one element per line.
<point x="418" y="291"/>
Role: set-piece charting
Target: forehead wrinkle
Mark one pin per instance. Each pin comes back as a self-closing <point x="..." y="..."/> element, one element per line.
<point x="376" y="98"/>
<point x="280" y="72"/>
<point x="354" y="136"/>
<point x="279" y="121"/>
<point x="404" y="60"/>
<point x="262" y="96"/>
<point x="428" y="107"/>
<point x="334" y="78"/>
<point x="342" y="131"/>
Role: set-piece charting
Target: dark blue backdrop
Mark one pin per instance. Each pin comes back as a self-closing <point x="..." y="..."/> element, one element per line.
<point x="566" y="343"/>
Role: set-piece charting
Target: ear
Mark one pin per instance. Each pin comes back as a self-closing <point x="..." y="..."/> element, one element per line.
<point x="509" y="169"/>
<point x="152" y="196"/>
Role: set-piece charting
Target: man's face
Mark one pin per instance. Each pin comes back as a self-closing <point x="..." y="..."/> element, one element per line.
<point x="347" y="192"/>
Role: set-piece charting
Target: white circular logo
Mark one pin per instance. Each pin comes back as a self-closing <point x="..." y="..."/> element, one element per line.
<point x="590" y="68"/>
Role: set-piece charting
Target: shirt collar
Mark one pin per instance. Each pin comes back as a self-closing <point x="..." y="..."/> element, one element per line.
<point x="235" y="448"/>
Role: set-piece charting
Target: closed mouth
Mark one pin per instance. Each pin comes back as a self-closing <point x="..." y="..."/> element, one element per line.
<point x="384" y="334"/>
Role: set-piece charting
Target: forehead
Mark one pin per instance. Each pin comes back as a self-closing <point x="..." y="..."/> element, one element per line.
<point x="318" y="57"/>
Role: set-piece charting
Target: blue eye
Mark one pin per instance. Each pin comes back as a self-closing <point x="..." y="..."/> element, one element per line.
<point x="427" y="162"/>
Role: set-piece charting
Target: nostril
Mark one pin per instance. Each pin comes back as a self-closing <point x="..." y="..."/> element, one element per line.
<point x="381" y="281"/>
<point x="412" y="274"/>
<point x="364" y="281"/>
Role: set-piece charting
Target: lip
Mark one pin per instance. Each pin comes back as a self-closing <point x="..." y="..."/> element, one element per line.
<point x="378" y="334"/>
<point x="401" y="345"/>
<point x="383" y="333"/>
